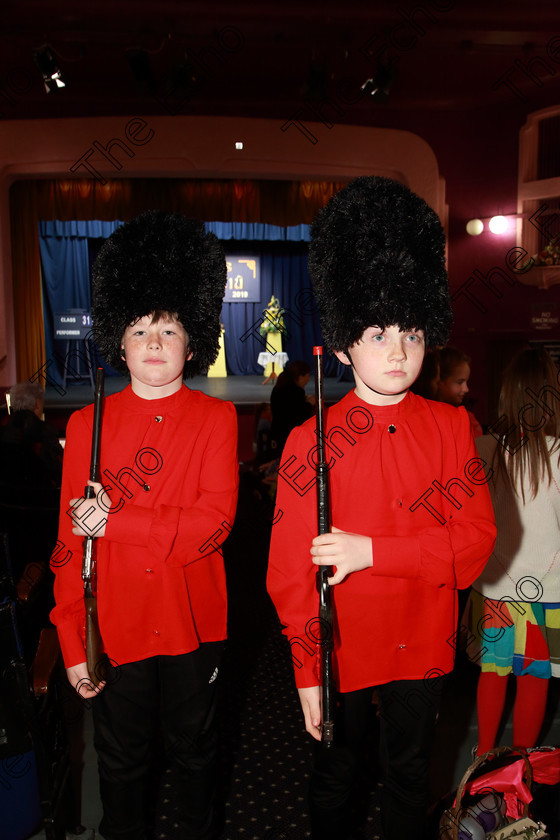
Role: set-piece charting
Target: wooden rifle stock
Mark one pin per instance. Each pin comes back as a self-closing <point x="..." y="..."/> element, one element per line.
<point x="94" y="646"/>
<point x="323" y="527"/>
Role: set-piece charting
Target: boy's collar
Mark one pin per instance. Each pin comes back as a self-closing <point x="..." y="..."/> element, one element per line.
<point x="164" y="404"/>
<point x="400" y="409"/>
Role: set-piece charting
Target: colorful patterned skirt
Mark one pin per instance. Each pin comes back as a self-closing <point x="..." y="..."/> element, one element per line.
<point x="513" y="637"/>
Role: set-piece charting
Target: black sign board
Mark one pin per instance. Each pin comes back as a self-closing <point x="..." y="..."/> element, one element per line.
<point x="72" y="325"/>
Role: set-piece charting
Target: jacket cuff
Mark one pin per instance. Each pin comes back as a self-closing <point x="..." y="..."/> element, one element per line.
<point x="305" y="660"/>
<point x="430" y="560"/>
<point x="71" y="644"/>
<point x="391" y="553"/>
<point x="130" y="525"/>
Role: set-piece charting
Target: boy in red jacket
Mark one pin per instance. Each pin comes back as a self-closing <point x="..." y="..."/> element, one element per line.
<point x="411" y="515"/>
<point x="168" y="460"/>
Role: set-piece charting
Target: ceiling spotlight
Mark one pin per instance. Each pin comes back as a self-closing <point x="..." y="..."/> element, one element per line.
<point x="238" y="145"/>
<point x="379" y="85"/>
<point x="52" y="76"/>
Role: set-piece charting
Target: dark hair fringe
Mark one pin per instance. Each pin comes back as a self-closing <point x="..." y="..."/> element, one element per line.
<point x="377" y="257"/>
<point x="160" y="262"/>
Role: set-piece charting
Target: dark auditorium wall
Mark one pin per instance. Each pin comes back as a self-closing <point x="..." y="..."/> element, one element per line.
<point x="477" y="156"/>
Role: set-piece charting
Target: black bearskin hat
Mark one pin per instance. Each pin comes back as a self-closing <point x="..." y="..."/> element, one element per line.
<point x="377" y="257"/>
<point x="166" y="262"/>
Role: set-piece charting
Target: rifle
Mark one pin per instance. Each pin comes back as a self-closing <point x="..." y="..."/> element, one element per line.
<point x="323" y="523"/>
<point x="93" y="637"/>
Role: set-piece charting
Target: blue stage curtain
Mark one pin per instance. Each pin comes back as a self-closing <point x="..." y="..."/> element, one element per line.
<point x="262" y="233"/>
<point x="65" y="272"/>
<point x="283" y="260"/>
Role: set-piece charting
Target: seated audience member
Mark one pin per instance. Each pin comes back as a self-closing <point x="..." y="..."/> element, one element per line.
<point x="290" y="405"/>
<point x="30" y="478"/>
<point x="454" y="374"/>
<point x="31" y="455"/>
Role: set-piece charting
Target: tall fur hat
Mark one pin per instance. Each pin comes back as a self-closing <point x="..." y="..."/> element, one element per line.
<point x="377" y="257"/>
<point x="160" y="261"/>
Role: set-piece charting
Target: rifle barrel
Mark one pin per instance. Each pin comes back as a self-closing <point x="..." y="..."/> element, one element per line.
<point x="88" y="558"/>
<point x="323" y="527"/>
<point x="93" y="637"/>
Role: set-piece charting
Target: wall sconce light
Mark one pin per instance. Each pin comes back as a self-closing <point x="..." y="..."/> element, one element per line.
<point x="498" y="224"/>
<point x="475" y="227"/>
<point x="495" y="224"/>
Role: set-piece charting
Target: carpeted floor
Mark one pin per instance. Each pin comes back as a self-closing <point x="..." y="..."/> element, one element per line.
<point x="266" y="752"/>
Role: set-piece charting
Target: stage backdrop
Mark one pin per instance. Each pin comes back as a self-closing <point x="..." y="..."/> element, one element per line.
<point x="69" y="248"/>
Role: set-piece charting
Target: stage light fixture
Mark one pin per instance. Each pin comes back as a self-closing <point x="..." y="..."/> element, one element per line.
<point x="379" y="85"/>
<point x="52" y="76"/>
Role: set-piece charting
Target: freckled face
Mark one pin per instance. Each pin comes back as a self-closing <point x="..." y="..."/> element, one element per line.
<point x="453" y="388"/>
<point x="385" y="363"/>
<point x="155" y="354"/>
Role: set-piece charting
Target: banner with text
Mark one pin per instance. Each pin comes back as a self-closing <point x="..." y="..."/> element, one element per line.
<point x="243" y="280"/>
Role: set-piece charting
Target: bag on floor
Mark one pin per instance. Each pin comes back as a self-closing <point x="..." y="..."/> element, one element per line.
<point x="494" y="803"/>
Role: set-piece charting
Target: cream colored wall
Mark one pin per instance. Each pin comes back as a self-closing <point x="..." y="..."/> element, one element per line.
<point x="198" y="147"/>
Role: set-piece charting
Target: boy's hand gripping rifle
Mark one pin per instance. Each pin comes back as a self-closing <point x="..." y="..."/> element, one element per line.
<point x="323" y="522"/>
<point x="93" y="637"/>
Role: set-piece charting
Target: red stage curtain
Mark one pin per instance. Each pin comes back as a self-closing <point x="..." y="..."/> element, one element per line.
<point x="26" y="274"/>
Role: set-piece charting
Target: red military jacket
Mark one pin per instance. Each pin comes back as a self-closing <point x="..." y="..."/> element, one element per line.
<point x="171" y="472"/>
<point x="407" y="475"/>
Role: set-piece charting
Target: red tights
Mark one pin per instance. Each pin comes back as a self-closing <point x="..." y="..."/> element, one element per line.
<point x="528" y="709"/>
